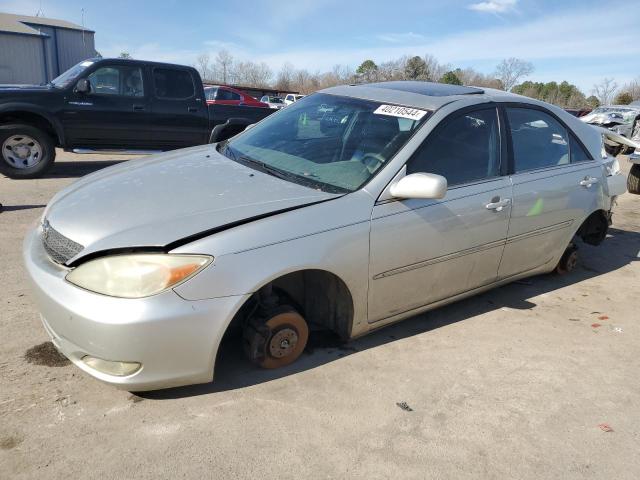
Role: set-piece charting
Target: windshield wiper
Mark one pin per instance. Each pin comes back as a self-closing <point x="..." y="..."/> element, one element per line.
<point x="265" y="167"/>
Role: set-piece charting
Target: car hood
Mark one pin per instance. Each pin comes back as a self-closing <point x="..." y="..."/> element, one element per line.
<point x="167" y="198"/>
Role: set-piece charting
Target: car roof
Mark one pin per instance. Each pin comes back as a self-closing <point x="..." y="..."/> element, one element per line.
<point x="426" y="95"/>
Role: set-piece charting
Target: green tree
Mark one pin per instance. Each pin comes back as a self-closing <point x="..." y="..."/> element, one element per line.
<point x="368" y="71"/>
<point x="593" y="101"/>
<point x="451" y="78"/>
<point x="623" y="98"/>
<point x="125" y="55"/>
<point x="415" y="69"/>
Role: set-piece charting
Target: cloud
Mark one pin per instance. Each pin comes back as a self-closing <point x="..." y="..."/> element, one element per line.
<point x="408" y="37"/>
<point x="494" y="6"/>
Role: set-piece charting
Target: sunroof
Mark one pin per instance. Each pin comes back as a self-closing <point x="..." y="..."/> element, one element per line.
<point x="427" y="88"/>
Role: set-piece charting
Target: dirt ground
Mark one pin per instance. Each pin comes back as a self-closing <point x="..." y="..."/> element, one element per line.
<point x="535" y="380"/>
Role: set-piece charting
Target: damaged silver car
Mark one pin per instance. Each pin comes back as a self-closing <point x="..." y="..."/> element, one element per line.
<point x="353" y="208"/>
<point x="621" y="119"/>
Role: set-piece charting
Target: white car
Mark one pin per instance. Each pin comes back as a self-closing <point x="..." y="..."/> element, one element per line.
<point x="292" y="98"/>
<point x="273" y="102"/>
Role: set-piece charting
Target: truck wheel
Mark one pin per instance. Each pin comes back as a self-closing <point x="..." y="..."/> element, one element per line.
<point x="568" y="261"/>
<point x="25" y="151"/>
<point x="276" y="341"/>
<point x="633" y="180"/>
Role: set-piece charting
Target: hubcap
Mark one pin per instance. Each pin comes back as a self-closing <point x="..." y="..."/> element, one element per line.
<point x="21" y="151"/>
<point x="283" y="342"/>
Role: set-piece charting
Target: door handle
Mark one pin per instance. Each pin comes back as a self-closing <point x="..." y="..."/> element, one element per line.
<point x="192" y="109"/>
<point x="588" y="181"/>
<point x="497" y="204"/>
<point x="138" y="108"/>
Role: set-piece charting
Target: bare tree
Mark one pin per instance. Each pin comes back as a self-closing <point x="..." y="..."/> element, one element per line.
<point x="511" y="70"/>
<point x="202" y="65"/>
<point x="435" y="70"/>
<point x="605" y="91"/>
<point x="284" y="79"/>
<point x="252" y="74"/>
<point x="633" y="87"/>
<point x="224" y="63"/>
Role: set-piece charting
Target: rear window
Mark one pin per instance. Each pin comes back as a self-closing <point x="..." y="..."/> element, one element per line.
<point x="173" y="84"/>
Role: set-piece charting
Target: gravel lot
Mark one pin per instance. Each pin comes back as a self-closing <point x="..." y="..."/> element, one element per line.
<point x="538" y="379"/>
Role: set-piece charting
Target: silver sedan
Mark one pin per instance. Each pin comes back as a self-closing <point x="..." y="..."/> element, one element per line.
<point x="353" y="208"/>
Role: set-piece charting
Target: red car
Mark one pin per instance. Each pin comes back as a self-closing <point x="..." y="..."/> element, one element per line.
<point x="230" y="96"/>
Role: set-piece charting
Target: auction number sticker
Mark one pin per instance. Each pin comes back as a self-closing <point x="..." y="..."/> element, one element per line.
<point x="402" y="112"/>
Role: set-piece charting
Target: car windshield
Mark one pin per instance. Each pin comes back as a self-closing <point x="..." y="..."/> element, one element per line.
<point x="68" y="77"/>
<point x="327" y="142"/>
<point x="274" y="100"/>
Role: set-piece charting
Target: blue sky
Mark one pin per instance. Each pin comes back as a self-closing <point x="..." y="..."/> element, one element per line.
<point x="579" y="41"/>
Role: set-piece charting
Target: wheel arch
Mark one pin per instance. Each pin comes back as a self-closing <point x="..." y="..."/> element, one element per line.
<point x="323" y="297"/>
<point x="593" y="230"/>
<point x="30" y="115"/>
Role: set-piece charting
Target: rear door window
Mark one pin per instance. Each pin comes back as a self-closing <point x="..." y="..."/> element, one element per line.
<point x="465" y="149"/>
<point x="578" y="153"/>
<point x="173" y="84"/>
<point x="539" y="140"/>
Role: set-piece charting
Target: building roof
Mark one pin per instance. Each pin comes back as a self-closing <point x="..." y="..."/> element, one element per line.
<point x="28" y="25"/>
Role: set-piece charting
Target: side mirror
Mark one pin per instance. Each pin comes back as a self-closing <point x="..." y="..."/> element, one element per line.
<point x="229" y="129"/>
<point x="420" y="185"/>
<point x="83" y="86"/>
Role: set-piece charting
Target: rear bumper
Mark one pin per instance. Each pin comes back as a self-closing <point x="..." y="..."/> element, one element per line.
<point x="175" y="340"/>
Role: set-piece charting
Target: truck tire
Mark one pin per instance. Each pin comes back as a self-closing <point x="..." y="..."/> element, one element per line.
<point x="25" y="151"/>
<point x="633" y="180"/>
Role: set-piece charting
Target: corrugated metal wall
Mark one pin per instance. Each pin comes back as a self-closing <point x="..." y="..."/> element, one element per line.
<point x="73" y="47"/>
<point x="21" y="59"/>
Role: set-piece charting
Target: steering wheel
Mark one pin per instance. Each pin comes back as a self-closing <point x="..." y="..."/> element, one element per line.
<point x="372" y="161"/>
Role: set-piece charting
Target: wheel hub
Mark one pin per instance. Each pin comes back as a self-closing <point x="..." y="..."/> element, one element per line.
<point x="283" y="342"/>
<point x="21" y="151"/>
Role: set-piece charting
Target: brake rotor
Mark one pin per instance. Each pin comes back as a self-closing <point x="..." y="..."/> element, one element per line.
<point x="280" y="340"/>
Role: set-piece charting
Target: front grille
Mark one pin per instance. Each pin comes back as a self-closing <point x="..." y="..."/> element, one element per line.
<point x="60" y="248"/>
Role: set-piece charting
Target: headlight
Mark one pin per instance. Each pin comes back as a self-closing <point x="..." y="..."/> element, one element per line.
<point x="136" y="276"/>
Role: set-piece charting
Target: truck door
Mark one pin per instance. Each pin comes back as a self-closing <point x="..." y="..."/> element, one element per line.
<point x="180" y="115"/>
<point x="115" y="113"/>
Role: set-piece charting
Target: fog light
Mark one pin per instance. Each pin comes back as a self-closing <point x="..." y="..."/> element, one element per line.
<point x="119" y="369"/>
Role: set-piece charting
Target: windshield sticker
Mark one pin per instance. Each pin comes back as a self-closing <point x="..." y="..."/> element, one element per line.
<point x="401" y="112"/>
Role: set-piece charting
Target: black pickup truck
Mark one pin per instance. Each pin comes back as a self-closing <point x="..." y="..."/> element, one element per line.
<point x="108" y="104"/>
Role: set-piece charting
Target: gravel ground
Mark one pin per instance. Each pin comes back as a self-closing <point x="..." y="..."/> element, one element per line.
<point x="538" y="379"/>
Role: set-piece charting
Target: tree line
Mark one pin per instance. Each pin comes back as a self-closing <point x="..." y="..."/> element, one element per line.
<point x="508" y="75"/>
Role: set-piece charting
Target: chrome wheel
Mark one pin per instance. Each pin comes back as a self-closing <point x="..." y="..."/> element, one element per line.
<point x="21" y="151"/>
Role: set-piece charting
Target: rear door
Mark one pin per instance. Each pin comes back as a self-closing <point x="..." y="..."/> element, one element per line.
<point x="555" y="186"/>
<point x="116" y="112"/>
<point x="423" y="251"/>
<point x="180" y="116"/>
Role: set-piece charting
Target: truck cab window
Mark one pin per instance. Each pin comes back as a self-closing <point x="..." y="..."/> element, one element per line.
<point x="126" y="81"/>
<point x="173" y="84"/>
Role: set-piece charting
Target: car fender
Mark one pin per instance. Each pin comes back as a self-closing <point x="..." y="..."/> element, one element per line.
<point x="17" y="107"/>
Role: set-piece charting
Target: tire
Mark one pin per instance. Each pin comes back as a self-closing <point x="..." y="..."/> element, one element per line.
<point x="633" y="180"/>
<point x="276" y="341"/>
<point x="36" y="152"/>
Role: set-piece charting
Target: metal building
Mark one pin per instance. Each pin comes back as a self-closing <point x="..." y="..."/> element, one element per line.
<point x="35" y="50"/>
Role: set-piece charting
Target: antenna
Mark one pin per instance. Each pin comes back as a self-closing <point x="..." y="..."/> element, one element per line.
<point x="83" y="42"/>
<point x="40" y="13"/>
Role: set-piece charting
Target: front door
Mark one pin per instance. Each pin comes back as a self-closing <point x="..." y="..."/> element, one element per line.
<point x="423" y="251"/>
<point x="115" y="113"/>
<point x="555" y="185"/>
